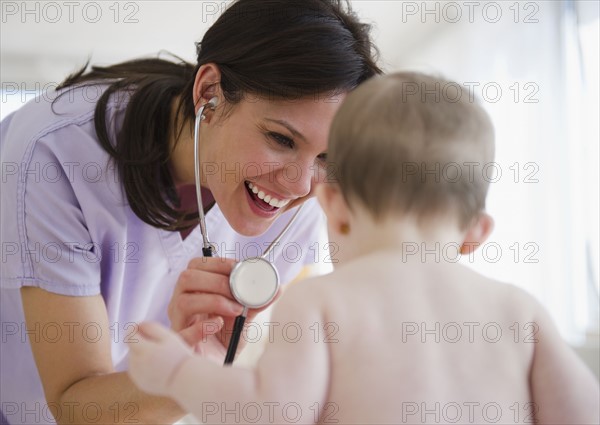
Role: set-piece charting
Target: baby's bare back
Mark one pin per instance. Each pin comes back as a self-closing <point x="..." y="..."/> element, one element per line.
<point x="428" y="344"/>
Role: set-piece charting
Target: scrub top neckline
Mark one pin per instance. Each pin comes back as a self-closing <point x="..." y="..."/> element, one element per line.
<point x="179" y="250"/>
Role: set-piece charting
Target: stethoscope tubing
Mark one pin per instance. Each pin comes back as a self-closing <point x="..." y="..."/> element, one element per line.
<point x="238" y="327"/>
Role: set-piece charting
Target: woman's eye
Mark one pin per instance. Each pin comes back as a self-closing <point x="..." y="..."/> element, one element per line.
<point x="282" y="140"/>
<point x="322" y="157"/>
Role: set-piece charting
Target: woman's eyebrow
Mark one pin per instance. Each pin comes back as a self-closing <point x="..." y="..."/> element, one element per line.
<point x="287" y="125"/>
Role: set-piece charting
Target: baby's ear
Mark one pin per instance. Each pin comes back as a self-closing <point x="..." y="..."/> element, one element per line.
<point x="333" y="203"/>
<point x="479" y="230"/>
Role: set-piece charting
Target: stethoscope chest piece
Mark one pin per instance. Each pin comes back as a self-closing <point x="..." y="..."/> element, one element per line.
<point x="254" y="282"/>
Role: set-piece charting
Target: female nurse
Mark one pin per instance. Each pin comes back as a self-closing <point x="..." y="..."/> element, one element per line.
<point x="98" y="224"/>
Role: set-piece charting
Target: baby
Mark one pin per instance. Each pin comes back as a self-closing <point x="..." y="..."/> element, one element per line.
<point x="399" y="332"/>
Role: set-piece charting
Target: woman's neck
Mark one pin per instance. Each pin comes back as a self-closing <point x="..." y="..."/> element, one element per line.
<point x="189" y="203"/>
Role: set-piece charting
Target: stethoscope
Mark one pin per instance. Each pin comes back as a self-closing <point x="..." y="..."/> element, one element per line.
<point x="253" y="281"/>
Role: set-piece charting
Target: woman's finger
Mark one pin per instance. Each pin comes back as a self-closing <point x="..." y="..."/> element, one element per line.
<point x="219" y="265"/>
<point x="192" y="280"/>
<point x="199" y="331"/>
<point x="190" y="304"/>
<point x="153" y="331"/>
<point x="210" y="325"/>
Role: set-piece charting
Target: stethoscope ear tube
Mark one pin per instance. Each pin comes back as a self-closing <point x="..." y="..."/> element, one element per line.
<point x="206" y="246"/>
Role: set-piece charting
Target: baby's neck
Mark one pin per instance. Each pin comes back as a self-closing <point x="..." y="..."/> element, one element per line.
<point x="427" y="241"/>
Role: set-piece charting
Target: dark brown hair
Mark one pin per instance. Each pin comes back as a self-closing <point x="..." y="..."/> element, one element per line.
<point x="424" y="143"/>
<point x="279" y="49"/>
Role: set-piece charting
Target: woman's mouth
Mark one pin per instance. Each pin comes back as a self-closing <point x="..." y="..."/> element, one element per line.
<point x="266" y="202"/>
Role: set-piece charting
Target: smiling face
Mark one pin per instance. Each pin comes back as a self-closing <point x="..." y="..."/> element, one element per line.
<point x="264" y="157"/>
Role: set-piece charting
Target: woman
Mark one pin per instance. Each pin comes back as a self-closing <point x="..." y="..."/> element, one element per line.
<point x="96" y="219"/>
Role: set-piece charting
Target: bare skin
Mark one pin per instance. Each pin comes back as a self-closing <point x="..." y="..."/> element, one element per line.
<point x="386" y="339"/>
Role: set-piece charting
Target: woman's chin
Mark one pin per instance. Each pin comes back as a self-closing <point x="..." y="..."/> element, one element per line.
<point x="250" y="229"/>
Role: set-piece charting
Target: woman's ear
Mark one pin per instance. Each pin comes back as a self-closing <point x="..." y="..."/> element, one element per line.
<point x="477" y="233"/>
<point x="333" y="203"/>
<point x="206" y="85"/>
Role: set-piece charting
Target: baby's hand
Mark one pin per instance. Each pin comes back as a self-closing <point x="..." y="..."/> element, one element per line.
<point x="155" y="358"/>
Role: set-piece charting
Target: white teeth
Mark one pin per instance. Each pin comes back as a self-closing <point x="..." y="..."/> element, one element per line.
<point x="279" y="204"/>
<point x="274" y="202"/>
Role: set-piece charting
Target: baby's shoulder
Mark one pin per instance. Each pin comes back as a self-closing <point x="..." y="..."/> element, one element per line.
<point x="311" y="288"/>
<point x="504" y="297"/>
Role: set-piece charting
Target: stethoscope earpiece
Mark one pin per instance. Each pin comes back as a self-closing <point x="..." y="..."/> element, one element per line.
<point x="212" y="103"/>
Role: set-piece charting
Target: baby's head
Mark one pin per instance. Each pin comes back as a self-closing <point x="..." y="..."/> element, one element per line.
<point x="408" y="145"/>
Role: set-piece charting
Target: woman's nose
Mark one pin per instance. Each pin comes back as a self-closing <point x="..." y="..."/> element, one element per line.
<point x="297" y="178"/>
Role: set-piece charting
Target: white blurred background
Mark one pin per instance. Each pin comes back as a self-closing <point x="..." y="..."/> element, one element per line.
<point x="533" y="63"/>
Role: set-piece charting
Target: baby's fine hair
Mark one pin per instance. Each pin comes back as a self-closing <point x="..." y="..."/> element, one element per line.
<point x="409" y="143"/>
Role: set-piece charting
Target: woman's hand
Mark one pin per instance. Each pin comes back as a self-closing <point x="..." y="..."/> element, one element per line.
<point x="155" y="357"/>
<point x="202" y="299"/>
<point x="203" y="310"/>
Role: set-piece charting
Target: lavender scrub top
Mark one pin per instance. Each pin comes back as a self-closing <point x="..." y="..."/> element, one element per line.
<point x="66" y="227"/>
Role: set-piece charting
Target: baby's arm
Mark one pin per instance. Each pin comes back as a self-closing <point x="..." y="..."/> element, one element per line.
<point x="563" y="389"/>
<point x="290" y="378"/>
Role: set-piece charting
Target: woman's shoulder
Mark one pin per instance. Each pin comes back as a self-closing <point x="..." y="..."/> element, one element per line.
<point x="52" y="162"/>
<point x="67" y="116"/>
